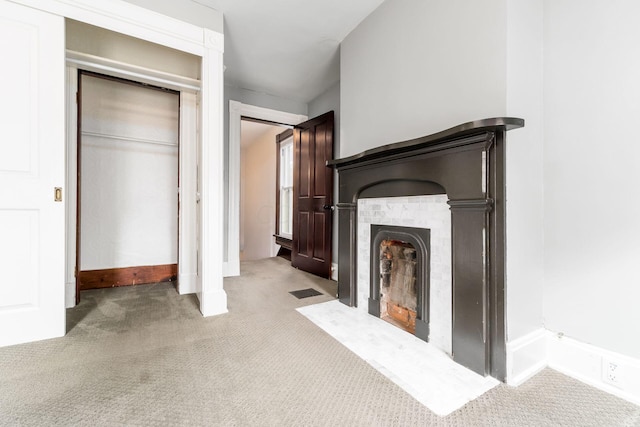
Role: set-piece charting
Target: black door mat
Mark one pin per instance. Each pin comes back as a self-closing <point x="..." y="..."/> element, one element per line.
<point x="305" y="293"/>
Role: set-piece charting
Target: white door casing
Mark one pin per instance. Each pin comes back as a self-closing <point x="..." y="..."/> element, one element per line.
<point x="132" y="20"/>
<point x="32" y="224"/>
<point x="237" y="110"/>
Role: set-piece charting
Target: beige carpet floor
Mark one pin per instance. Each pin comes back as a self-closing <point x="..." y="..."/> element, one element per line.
<point x="143" y="356"/>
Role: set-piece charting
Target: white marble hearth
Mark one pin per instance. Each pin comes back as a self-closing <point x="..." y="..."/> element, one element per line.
<point x="419" y="368"/>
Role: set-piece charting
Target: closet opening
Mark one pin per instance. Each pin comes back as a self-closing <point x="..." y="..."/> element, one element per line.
<point x="128" y="168"/>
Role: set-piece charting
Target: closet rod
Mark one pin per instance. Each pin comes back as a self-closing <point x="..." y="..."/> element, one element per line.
<point x="129" y="138"/>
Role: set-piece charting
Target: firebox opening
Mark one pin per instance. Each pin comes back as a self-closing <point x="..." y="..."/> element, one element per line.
<point x="398" y="284"/>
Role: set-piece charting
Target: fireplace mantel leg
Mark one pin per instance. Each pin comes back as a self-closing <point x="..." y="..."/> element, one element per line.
<point x="347" y="272"/>
<point x="469" y="243"/>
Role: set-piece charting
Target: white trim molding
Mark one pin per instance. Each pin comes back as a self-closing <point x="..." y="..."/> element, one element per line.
<point x="126" y="18"/>
<point x="132" y="72"/>
<point x="213" y="299"/>
<point x="237" y="110"/>
<point x="188" y="221"/>
<point x="587" y="363"/>
<point x="526" y="356"/>
<point x="71" y="186"/>
<point x="129" y="19"/>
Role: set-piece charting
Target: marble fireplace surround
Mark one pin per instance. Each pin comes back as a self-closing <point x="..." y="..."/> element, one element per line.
<point x="466" y="163"/>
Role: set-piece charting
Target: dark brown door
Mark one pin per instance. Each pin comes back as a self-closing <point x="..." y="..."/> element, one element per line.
<point x="313" y="195"/>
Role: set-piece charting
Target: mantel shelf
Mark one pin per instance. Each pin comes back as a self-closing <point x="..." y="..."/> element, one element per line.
<point x="469" y="128"/>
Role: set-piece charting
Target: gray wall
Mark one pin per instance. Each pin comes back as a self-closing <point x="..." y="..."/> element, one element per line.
<point x="413" y="68"/>
<point x="591" y="153"/>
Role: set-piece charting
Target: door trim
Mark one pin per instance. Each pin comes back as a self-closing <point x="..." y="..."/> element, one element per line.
<point x="237" y="110"/>
<point x="138" y="22"/>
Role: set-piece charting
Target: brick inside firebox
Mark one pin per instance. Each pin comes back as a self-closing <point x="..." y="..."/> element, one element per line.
<point x="398" y="290"/>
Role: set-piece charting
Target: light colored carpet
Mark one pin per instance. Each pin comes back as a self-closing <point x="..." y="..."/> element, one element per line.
<point x="145" y="356"/>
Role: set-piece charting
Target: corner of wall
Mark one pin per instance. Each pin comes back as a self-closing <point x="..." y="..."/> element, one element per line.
<point x="605" y="370"/>
<point x="589" y="364"/>
<point x="526" y="356"/>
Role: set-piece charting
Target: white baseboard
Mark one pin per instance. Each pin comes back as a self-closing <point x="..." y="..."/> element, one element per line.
<point x="214" y="303"/>
<point x="230" y="268"/>
<point x="334" y="271"/>
<point x="187" y="284"/>
<point x="586" y="363"/>
<point x="526" y="356"/>
<point x="70" y="294"/>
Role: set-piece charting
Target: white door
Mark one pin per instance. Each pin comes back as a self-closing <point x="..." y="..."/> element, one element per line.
<point x="31" y="165"/>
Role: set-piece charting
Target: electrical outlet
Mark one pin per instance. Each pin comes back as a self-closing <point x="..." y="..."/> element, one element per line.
<point x="611" y="372"/>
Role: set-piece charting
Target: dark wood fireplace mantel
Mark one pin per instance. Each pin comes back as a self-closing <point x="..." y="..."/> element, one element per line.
<point x="466" y="163"/>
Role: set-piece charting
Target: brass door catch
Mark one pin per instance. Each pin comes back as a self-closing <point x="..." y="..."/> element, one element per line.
<point x="57" y="194"/>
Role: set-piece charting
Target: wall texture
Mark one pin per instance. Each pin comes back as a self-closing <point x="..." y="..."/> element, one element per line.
<point x="592" y="105"/>
<point x="129" y="200"/>
<point x="524" y="176"/>
<point x="413" y="68"/>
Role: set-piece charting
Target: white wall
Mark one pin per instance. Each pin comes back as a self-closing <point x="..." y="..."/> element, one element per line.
<point x="413" y="68"/>
<point x="129" y="209"/>
<point x="258" y="197"/>
<point x="592" y="94"/>
<point x="524" y="176"/>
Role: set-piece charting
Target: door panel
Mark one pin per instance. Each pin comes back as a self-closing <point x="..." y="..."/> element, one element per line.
<point x="32" y="224"/>
<point x="313" y="195"/>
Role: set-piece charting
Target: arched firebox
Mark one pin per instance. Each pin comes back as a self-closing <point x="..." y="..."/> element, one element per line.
<point x="466" y="163"/>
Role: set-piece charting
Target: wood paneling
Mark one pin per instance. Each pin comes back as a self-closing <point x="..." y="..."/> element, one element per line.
<point x="128" y="276"/>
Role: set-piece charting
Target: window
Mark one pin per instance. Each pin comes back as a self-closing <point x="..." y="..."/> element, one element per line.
<point x="286" y="188"/>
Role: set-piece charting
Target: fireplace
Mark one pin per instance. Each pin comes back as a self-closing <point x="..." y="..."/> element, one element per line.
<point x="464" y="164"/>
<point x="400" y="277"/>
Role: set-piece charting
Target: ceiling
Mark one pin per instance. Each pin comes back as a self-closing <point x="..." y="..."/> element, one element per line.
<point x="287" y="48"/>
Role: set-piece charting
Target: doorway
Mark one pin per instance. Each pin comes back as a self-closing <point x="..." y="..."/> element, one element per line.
<point x="238" y="110"/>
<point x="258" y="192"/>
<point x="312" y="205"/>
<point x="127" y="209"/>
<point x="147" y="67"/>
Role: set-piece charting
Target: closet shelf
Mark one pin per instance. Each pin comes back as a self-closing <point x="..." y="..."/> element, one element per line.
<point x="130" y="138"/>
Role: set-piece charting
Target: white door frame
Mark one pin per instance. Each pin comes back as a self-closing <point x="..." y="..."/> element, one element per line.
<point x="129" y="19"/>
<point x="237" y="110"/>
<point x="187" y="242"/>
